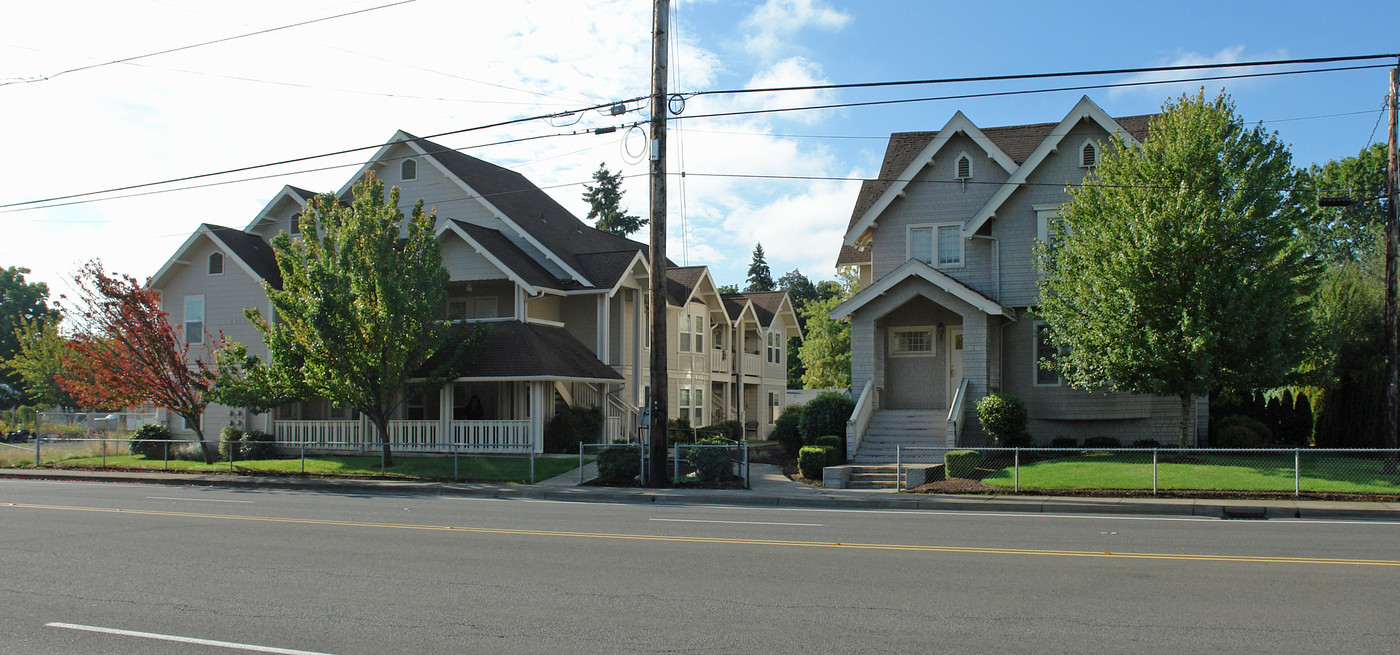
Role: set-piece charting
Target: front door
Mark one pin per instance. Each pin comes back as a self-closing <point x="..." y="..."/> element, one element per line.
<point x="955" y="353"/>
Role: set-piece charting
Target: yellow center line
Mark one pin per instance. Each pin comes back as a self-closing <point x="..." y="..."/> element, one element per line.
<point x="727" y="540"/>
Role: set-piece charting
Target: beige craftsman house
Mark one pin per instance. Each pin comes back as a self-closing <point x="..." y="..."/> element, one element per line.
<point x="944" y="244"/>
<point x="564" y="307"/>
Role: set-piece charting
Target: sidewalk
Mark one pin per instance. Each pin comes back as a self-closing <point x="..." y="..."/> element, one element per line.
<point x="769" y="488"/>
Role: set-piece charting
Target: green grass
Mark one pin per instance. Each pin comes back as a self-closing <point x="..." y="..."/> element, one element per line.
<point x="482" y="469"/>
<point x="1265" y="472"/>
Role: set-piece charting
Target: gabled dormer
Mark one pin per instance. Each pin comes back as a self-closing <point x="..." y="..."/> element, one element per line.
<point x="281" y="213"/>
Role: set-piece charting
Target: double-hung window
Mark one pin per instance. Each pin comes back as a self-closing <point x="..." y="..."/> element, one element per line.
<point x="698" y="326"/>
<point x="1044" y="351"/>
<point x="940" y="246"/>
<point x="194" y="319"/>
<point x="775" y="347"/>
<point x="683" y="344"/>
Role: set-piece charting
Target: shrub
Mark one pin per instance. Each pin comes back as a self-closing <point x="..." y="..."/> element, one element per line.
<point x="678" y="430"/>
<point x="1003" y="417"/>
<point x="825" y="414"/>
<point x="1064" y="442"/>
<point x="1103" y="442"/>
<point x="960" y="463"/>
<point x="258" y="445"/>
<point x="810" y="462"/>
<point x="838" y="448"/>
<point x="149" y="441"/>
<point x="623" y="462"/>
<point x="1239" y="436"/>
<point x="1228" y="436"/>
<point x="711" y="464"/>
<point x="188" y="451"/>
<point x="230" y="440"/>
<point x="572" y="426"/>
<point x="1147" y="443"/>
<point x="785" y="432"/>
<point x="731" y="430"/>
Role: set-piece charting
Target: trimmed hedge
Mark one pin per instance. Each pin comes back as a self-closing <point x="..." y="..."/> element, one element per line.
<point x="731" y="430"/>
<point x="259" y="445"/>
<point x="572" y="426"/>
<point x="785" y="432"/>
<point x="1003" y="417"/>
<point x="1064" y="442"/>
<point x="711" y="464"/>
<point x="838" y="448"/>
<point x="1239" y="431"/>
<point x="960" y="463"/>
<point x="620" y="462"/>
<point x="810" y="462"/>
<point x="149" y="441"/>
<point x="1103" y="442"/>
<point x="825" y="414"/>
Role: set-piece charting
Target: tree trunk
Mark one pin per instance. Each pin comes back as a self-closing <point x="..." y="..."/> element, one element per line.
<point x="382" y="425"/>
<point x="199" y="434"/>
<point x="1185" y="437"/>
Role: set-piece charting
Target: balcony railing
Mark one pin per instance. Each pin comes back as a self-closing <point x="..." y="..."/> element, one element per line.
<point x="753" y="364"/>
<point x="719" y="361"/>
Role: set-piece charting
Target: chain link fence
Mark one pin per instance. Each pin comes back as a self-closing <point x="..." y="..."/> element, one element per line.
<point x="1295" y="471"/>
<point x="726" y="461"/>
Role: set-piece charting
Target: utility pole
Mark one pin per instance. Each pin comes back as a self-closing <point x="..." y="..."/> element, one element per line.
<point x="1392" y="243"/>
<point x="656" y="471"/>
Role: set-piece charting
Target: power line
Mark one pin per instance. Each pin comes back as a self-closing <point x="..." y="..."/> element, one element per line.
<point x="205" y="43"/>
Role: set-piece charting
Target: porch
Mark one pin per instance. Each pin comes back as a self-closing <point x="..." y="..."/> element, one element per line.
<point x="493" y="436"/>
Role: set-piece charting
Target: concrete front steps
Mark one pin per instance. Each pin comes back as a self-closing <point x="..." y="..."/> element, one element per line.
<point x="891" y="428"/>
<point x="871" y="477"/>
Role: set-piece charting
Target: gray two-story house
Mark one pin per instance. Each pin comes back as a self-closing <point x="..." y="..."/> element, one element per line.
<point x="944" y="243"/>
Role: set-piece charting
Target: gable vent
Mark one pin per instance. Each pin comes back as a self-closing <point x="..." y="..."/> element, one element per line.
<point x="964" y="168"/>
<point x="1089" y="156"/>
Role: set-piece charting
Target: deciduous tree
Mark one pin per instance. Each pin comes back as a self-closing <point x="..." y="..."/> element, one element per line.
<point x="1177" y="268"/>
<point x="39" y="363"/>
<point x="826" y="349"/>
<point x="126" y="353"/>
<point x="20" y="303"/>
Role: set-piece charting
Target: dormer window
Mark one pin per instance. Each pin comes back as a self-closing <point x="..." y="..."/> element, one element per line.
<point x="1089" y="155"/>
<point x="408" y="170"/>
<point x="216" y="263"/>
<point x="296" y="224"/>
<point x="964" y="168"/>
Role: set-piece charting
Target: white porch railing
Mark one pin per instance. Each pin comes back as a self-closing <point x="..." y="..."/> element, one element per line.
<point x="415" y="435"/>
<point x="955" y="415"/>
<point x="493" y="436"/>
<point x="620" y="420"/>
<point x="327" y="434"/>
<point x="719" y="361"/>
<point x="753" y="365"/>
<point x="860" y="418"/>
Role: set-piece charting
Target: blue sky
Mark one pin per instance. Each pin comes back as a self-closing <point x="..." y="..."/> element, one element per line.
<point x="439" y="65"/>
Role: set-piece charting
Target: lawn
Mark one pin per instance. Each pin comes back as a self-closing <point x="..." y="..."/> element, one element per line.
<point x="513" y="469"/>
<point x="1265" y="472"/>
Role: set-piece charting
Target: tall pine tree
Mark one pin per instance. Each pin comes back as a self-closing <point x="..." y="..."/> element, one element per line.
<point x="760" y="276"/>
<point x="605" y="204"/>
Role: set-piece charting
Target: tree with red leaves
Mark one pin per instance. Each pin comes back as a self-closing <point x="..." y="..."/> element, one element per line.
<point x="126" y="352"/>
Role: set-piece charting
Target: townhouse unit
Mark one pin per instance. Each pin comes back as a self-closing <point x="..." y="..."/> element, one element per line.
<point x="564" y="308"/>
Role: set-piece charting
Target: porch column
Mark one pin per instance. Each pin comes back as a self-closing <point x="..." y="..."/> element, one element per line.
<point x="445" y="402"/>
<point x="537" y="412"/>
<point x="637" y="399"/>
<point x="976" y="327"/>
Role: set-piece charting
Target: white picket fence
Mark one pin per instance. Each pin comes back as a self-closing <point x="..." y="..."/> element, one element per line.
<point x="408" y="436"/>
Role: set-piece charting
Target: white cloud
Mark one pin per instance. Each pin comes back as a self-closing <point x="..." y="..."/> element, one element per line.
<point x="771" y="27"/>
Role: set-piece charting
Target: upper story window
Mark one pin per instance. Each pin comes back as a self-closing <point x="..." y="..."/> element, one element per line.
<point x="296" y="224"/>
<point x="1089" y="155"/>
<point x="1050" y="228"/>
<point x="408" y="170"/>
<point x="912" y="341"/>
<point x="963" y="168"/>
<point x="1045" y="350"/>
<point x="699" y="329"/>
<point x="216" y="263"/>
<point x="462" y="309"/>
<point x="683" y="343"/>
<point x="775" y="347"/>
<point x="940" y="246"/>
<point x="194" y="320"/>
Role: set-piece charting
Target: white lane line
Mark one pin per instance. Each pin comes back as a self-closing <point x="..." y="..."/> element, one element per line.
<point x="183" y="640"/>
<point x="199" y="500"/>
<point x="805" y="525"/>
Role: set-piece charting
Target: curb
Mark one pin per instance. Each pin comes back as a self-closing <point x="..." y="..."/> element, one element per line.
<point x="813" y="499"/>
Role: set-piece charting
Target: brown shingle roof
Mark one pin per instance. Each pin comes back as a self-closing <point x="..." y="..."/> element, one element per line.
<point x="512" y="349"/>
<point x="765" y="303"/>
<point x="681" y="281"/>
<point x="255" y="251"/>
<point x="512" y="256"/>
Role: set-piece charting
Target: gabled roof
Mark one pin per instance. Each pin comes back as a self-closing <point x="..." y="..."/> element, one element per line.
<point x="910" y="163"/>
<point x="249" y="252"/>
<point x="1085" y="109"/>
<point x="769" y="304"/>
<point x="606" y="269"/>
<point x="736" y="305"/>
<point x="915" y="268"/>
<point x="504" y="255"/>
<point x="513" y="350"/>
<point x="682" y="283"/>
<point x="526" y="209"/>
<point x="290" y="193"/>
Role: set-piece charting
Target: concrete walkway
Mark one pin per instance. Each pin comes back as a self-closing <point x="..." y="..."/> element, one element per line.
<point x="769" y="487"/>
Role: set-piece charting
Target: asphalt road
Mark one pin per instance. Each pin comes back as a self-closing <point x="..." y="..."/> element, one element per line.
<point x="292" y="571"/>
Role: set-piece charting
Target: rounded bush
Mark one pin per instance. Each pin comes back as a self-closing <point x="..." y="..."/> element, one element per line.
<point x="149" y="441"/>
<point x="1103" y="442"/>
<point x="230" y="443"/>
<point x="785" y="431"/>
<point x="825" y="414"/>
<point x="810" y="462"/>
<point x="960" y="463"/>
<point x="1239" y="436"/>
<point x="572" y="426"/>
<point x="1003" y="417"/>
<point x="1064" y="442"/>
<point x="838" y="448"/>
<point x="620" y="462"/>
<point x="258" y="445"/>
<point x="711" y="464"/>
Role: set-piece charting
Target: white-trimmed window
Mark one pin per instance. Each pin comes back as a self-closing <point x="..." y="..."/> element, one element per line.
<point x="1045" y="350"/>
<point x="962" y="168"/>
<point x="216" y="263"/>
<point x="684" y="398"/>
<point x="911" y="341"/>
<point x="775" y="347"/>
<point x="295" y="228"/>
<point x="1050" y="228"/>
<point x="774" y="408"/>
<point x="940" y="246"/>
<point x="697" y="402"/>
<point x="683" y="343"/>
<point x="698" y="327"/>
<point x="1089" y="155"/>
<point x="408" y="170"/>
<point x="194" y="319"/>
